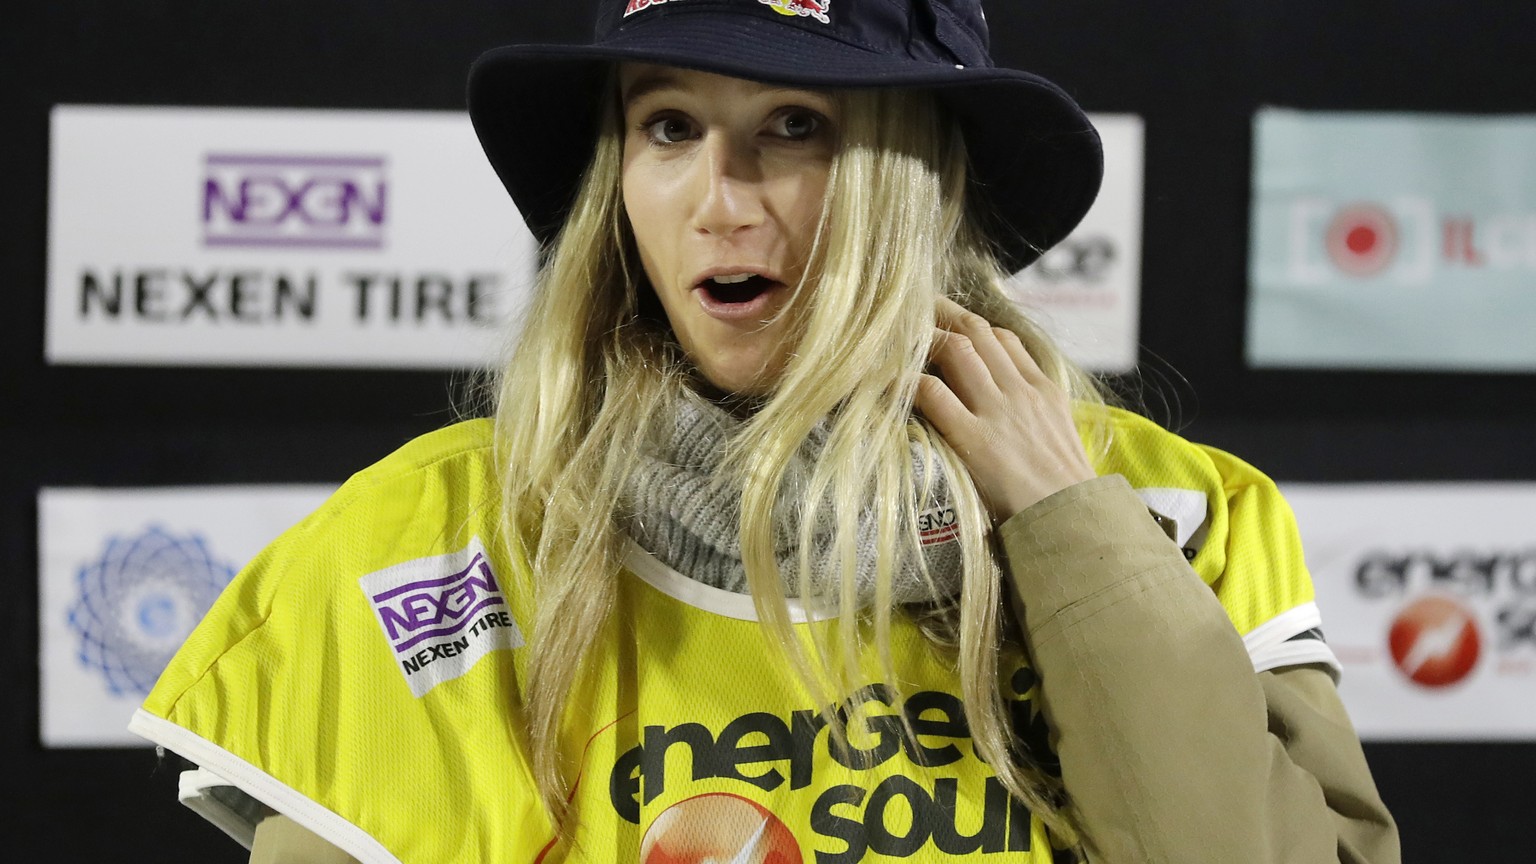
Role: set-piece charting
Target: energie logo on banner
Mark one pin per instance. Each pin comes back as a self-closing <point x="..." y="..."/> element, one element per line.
<point x="262" y="237"/>
<point x="1428" y="595"/>
<point x="1393" y="241"/>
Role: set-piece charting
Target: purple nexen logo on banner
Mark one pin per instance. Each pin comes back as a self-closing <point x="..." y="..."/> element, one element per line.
<point x="442" y="614"/>
<point x="288" y="201"/>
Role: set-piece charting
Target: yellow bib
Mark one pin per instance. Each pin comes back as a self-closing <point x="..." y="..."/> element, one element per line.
<point x="363" y="676"/>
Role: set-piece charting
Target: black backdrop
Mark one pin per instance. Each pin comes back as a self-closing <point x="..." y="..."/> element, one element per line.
<point x="1196" y="71"/>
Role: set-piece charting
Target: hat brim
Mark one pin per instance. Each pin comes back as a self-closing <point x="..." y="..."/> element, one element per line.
<point x="1035" y="158"/>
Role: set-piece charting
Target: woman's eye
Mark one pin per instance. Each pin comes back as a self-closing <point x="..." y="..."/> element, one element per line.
<point x="797" y="125"/>
<point x="669" y="130"/>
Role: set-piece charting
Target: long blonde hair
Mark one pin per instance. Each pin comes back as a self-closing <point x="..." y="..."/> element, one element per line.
<point x="596" y="362"/>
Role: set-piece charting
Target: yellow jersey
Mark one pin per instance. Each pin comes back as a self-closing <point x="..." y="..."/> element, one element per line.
<point x="364" y="676"/>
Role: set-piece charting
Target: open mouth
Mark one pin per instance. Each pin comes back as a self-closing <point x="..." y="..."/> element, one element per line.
<point x="737" y="289"/>
<point x="744" y="297"/>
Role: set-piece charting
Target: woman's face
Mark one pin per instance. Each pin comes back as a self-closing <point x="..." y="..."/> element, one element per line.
<point x="723" y="183"/>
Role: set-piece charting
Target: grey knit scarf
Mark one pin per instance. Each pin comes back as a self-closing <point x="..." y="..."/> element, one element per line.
<point x="682" y="514"/>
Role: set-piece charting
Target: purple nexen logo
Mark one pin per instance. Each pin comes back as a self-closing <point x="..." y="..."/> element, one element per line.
<point x="434" y="608"/>
<point x="334" y="202"/>
<point x="441" y="614"/>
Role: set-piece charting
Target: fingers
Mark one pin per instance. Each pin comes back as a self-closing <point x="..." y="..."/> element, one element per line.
<point x="942" y="407"/>
<point x="1001" y="351"/>
<point x="963" y="367"/>
<point x="1009" y="423"/>
<point x="974" y="363"/>
<point x="1022" y="360"/>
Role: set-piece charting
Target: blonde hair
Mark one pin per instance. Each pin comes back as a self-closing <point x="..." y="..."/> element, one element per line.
<point x="595" y="363"/>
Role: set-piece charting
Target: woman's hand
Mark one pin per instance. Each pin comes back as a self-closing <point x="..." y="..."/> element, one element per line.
<point x="1011" y="425"/>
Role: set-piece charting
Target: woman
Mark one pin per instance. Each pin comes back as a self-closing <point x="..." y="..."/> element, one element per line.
<point x="726" y="579"/>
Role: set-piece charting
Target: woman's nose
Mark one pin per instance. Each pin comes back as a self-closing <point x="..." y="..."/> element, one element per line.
<point x="729" y="187"/>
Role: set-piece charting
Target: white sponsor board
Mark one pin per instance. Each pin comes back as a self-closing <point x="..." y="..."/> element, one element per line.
<point x="245" y="237"/>
<point x="1428" y="595"/>
<point x="124" y="576"/>
<point x="1393" y="241"/>
<point x="1086" y="292"/>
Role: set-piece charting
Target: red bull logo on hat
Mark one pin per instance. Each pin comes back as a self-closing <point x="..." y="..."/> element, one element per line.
<point x="794" y="8"/>
<point x="803" y="8"/>
<point x="641" y="5"/>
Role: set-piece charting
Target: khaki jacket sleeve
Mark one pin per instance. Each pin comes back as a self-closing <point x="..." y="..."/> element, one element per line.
<point x="280" y="840"/>
<point x="1171" y="747"/>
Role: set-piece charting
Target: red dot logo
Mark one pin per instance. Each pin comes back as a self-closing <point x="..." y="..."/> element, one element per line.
<point x="1362" y="239"/>
<point x="1435" y="641"/>
<point x="718" y="828"/>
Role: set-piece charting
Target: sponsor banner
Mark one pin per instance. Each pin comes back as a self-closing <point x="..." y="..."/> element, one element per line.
<point x="124" y="576"/>
<point x="1428" y="595"/>
<point x="1086" y="292"/>
<point x="242" y="237"/>
<point x="1393" y="241"/>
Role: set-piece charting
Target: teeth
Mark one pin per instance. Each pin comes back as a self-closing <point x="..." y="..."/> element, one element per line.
<point x="736" y="279"/>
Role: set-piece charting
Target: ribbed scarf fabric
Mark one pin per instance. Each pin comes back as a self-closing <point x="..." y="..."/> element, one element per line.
<point x="682" y="514"/>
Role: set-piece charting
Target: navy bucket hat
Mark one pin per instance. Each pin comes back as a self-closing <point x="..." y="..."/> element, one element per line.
<point x="1035" y="159"/>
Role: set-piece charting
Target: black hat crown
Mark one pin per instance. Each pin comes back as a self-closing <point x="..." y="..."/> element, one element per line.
<point x="937" y="31"/>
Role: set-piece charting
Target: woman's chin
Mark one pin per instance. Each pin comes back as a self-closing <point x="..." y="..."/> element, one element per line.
<point x="725" y="384"/>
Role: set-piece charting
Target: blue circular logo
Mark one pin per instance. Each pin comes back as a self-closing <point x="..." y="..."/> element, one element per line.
<point x="138" y="602"/>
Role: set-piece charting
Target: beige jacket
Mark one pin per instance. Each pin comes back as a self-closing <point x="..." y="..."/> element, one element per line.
<point x="1172" y="748"/>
